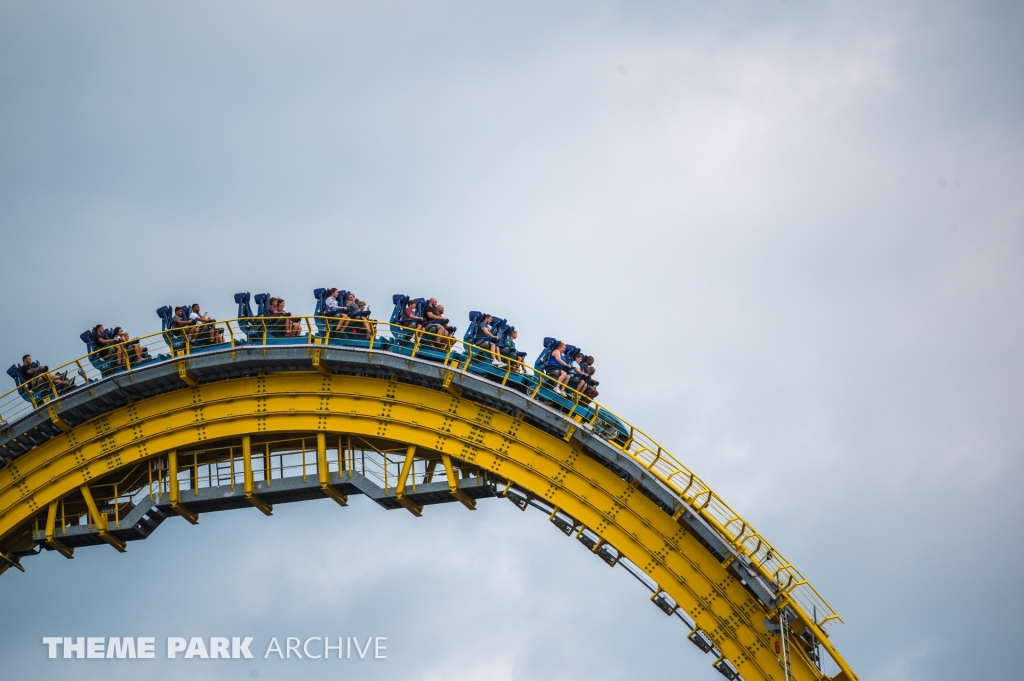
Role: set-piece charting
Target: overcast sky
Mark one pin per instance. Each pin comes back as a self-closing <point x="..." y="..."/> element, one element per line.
<point x="791" y="232"/>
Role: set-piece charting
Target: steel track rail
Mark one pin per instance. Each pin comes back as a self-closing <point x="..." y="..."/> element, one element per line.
<point x="493" y="428"/>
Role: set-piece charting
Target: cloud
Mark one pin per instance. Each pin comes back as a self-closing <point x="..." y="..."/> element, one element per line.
<point x="736" y="208"/>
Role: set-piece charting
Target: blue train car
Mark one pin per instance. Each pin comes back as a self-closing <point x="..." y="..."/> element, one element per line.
<point x="177" y="336"/>
<point x="104" y="361"/>
<point x="355" y="333"/>
<point x="606" y="424"/>
<point x="481" y="361"/>
<point x="260" y="328"/>
<point x="405" y="341"/>
<point x="43" y="391"/>
<point x="174" y="337"/>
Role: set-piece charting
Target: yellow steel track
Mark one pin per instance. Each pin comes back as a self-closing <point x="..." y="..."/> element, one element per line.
<point x="510" y="449"/>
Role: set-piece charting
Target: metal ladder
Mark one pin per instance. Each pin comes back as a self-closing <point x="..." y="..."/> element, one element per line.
<point x="787" y="661"/>
<point x="223" y="473"/>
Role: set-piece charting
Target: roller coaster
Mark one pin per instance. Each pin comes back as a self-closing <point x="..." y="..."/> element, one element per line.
<point x="266" y="409"/>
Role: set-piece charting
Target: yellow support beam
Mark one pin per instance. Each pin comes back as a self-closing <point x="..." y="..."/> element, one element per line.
<point x="428" y="476"/>
<point x="57" y="420"/>
<point x="175" y="491"/>
<point x="403" y="476"/>
<point x="542" y="465"/>
<point x="569" y="432"/>
<point x="637" y="445"/>
<point x="51" y="532"/>
<point x="447" y="384"/>
<point x="186" y="375"/>
<point x="250" y="485"/>
<point x="101" y="521"/>
<point x="320" y="366"/>
<point x="453" y="484"/>
<point x="325" y="472"/>
<point x="6" y="563"/>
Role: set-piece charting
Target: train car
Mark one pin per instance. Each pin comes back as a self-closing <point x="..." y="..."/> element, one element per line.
<point x="177" y="336"/>
<point x="174" y="337"/>
<point x="105" y="360"/>
<point x="605" y="424"/>
<point x="511" y="374"/>
<point x="356" y="333"/>
<point x="247" y="322"/>
<point x="276" y="327"/>
<point x="406" y="341"/>
<point x="260" y="328"/>
<point x="41" y="391"/>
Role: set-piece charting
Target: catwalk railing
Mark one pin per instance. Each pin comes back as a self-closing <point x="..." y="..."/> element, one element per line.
<point x="274" y="459"/>
<point x="43" y="390"/>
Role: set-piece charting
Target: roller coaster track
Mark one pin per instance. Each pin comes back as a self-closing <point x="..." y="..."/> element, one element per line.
<point x="261" y="420"/>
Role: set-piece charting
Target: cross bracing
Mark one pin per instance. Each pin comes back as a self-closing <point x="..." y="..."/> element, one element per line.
<point x="107" y="463"/>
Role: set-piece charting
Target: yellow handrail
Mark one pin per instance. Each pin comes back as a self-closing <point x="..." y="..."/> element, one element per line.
<point x="643" y="449"/>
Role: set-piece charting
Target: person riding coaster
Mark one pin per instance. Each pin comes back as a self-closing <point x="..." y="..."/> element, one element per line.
<point x="112" y="350"/>
<point x="421" y="321"/>
<point x="353" y="312"/>
<point x="398" y="332"/>
<point x="342" y="319"/>
<point x="507" y="335"/>
<point x="343" y="306"/>
<point x="277" y="323"/>
<point x="35" y="375"/>
<point x="31" y="376"/>
<point x="185" y="327"/>
<point x="567" y="368"/>
<point x="275" y="308"/>
<point x="408" y="335"/>
<point x="580" y="376"/>
<point x="605" y="423"/>
<point x="207" y="333"/>
<point x="434" y="320"/>
<point x="439" y="332"/>
<point x="171" y="321"/>
<point x="333" y="307"/>
<point x="588" y="369"/>
<point x="558" y="368"/>
<point x="481" y="335"/>
<point x="126" y="348"/>
<point x="106" y="348"/>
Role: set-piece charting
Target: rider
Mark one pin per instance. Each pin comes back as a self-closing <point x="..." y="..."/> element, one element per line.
<point x="275" y="308"/>
<point x="333" y="308"/>
<point x="132" y="347"/>
<point x="486" y="339"/>
<point x="509" y="352"/>
<point x="579" y="379"/>
<point x="448" y="327"/>
<point x="214" y="334"/>
<point x="353" y="310"/>
<point x="588" y="366"/>
<point x="411" y="320"/>
<point x="434" y="319"/>
<point x="409" y="317"/>
<point x="181" y="320"/>
<point x="105" y="343"/>
<point x="558" y="367"/>
<point x="32" y="374"/>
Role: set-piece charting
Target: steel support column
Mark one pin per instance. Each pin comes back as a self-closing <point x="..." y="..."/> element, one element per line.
<point x="250" y="485"/>
<point x="175" y="489"/>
